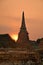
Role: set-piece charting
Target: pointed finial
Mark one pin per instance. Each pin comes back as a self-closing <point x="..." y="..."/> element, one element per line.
<point x="23" y="13"/>
<point x="23" y="26"/>
<point x="23" y="19"/>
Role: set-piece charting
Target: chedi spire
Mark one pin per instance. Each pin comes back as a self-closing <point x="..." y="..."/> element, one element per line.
<point x="23" y="34"/>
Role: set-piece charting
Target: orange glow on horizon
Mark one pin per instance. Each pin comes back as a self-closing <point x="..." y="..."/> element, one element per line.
<point x="14" y="37"/>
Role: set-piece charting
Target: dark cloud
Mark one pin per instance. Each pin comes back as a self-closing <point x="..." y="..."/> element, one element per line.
<point x="4" y="28"/>
<point x="11" y="18"/>
<point x="7" y="29"/>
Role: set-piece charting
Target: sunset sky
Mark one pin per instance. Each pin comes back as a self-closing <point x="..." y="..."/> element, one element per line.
<point x="11" y="17"/>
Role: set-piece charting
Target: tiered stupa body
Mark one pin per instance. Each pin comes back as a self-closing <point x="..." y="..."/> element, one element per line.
<point x="23" y="38"/>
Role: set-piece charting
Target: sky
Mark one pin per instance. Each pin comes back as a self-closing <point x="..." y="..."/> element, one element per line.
<point x="11" y="17"/>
